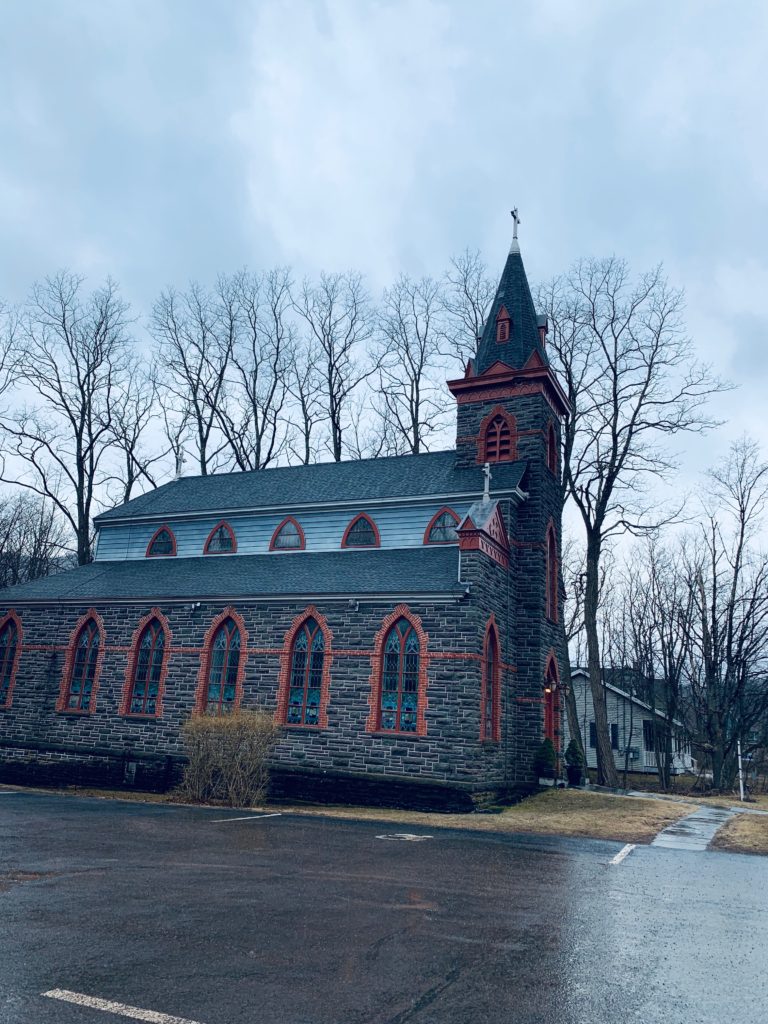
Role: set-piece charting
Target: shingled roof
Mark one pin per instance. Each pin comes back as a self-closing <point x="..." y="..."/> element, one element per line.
<point x="404" y="476"/>
<point x="401" y="572"/>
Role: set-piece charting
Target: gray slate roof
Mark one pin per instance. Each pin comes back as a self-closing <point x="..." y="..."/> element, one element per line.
<point x="402" y="476"/>
<point x="513" y="293"/>
<point x="310" y="574"/>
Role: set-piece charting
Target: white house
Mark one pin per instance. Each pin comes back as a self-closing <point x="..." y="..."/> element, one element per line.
<point x="631" y="722"/>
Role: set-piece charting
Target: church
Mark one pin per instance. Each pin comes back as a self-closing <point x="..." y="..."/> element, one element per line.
<point x="400" y="617"/>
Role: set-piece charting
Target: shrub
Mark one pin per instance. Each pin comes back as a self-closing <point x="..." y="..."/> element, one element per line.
<point x="227" y="757"/>
<point x="545" y="761"/>
<point x="574" y="755"/>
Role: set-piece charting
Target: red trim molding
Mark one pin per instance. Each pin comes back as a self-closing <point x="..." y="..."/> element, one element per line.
<point x="286" y="655"/>
<point x="125" y="700"/>
<point x="205" y="658"/>
<point x="276" y="534"/>
<point x="377" y="666"/>
<point x="552" y="573"/>
<point x="357" y="518"/>
<point x="16" y="619"/>
<point x="69" y="662"/>
<point x="158" y="531"/>
<point x="495" y="683"/>
<point x="502" y="381"/>
<point x="434" y="519"/>
<point x="231" y="533"/>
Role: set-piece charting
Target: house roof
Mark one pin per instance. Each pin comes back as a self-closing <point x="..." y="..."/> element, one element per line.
<point x="627" y="696"/>
<point x="403" y="476"/>
<point x="428" y="570"/>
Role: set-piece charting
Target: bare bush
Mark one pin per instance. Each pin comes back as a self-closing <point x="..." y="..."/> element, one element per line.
<point x="227" y="758"/>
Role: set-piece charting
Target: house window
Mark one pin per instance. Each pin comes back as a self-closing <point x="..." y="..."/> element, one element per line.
<point x="221" y="541"/>
<point x="648" y="735"/>
<point x="398" y="704"/>
<point x="498" y="440"/>
<point x="306" y="682"/>
<point x="489" y="726"/>
<point x="288" y="536"/>
<point x="614" y="736"/>
<point x="502" y="326"/>
<point x="9" y="638"/>
<point x="162" y="545"/>
<point x="442" y="528"/>
<point x="551" y="448"/>
<point x="82" y="675"/>
<point x="592" y="735"/>
<point x="361" y="533"/>
<point x="147" y="670"/>
<point x="223" y="665"/>
<point x="551" y="573"/>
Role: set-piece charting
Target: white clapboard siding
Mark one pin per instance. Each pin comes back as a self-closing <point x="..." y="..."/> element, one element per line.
<point x="399" y="527"/>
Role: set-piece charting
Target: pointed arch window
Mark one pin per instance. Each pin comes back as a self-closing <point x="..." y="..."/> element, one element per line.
<point x="498" y="440"/>
<point x="398" y="706"/>
<point x="362" y="532"/>
<point x="221" y="540"/>
<point x="442" y="528"/>
<point x="552" y="703"/>
<point x="306" y="679"/>
<point x="148" y="664"/>
<point x="82" y="678"/>
<point x="503" y="322"/>
<point x="9" y="651"/>
<point x="162" y="544"/>
<point x="288" y="536"/>
<point x="551" y="448"/>
<point x="223" y="667"/>
<point x="491" y="702"/>
<point x="551" y="573"/>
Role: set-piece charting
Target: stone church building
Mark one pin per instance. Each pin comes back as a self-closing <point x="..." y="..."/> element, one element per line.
<point x="399" y="616"/>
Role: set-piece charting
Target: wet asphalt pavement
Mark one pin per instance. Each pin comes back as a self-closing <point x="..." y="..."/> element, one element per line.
<point x="295" y="920"/>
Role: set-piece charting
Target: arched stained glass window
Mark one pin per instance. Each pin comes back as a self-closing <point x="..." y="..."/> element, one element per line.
<point x="400" y="679"/>
<point x="223" y="664"/>
<point x="551" y="574"/>
<point x="498" y="440"/>
<point x="162" y="544"/>
<point x="551" y="449"/>
<point x="221" y="540"/>
<point x="8" y="642"/>
<point x="442" y="529"/>
<point x="147" y="670"/>
<point x="489" y="723"/>
<point x="82" y="675"/>
<point x="288" y="536"/>
<point x="307" y="662"/>
<point x="361" y="533"/>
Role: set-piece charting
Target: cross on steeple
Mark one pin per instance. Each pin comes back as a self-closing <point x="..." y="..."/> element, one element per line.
<point x="516" y="219"/>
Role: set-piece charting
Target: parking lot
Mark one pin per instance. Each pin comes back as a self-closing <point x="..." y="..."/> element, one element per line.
<point x="113" y="910"/>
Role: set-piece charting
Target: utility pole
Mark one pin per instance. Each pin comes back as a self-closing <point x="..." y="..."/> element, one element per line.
<point x="741" y="771"/>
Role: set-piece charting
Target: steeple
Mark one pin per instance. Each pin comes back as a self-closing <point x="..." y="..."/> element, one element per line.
<point x="512" y="332"/>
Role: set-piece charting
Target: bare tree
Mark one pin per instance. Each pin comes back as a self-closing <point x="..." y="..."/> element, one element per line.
<point x="409" y="347"/>
<point x="339" y="318"/>
<point x="632" y="380"/>
<point x="196" y="336"/>
<point x="726" y="575"/>
<point x="134" y="412"/>
<point x="74" y="358"/>
<point x="305" y="386"/>
<point x="467" y="294"/>
<point x="32" y="539"/>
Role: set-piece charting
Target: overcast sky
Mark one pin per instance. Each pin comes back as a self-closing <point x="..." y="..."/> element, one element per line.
<point x="166" y="140"/>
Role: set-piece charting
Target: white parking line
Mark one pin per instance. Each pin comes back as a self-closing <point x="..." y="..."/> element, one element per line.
<point x="404" y="837"/>
<point x="624" y="852"/>
<point x="250" y="817"/>
<point x="135" y="1012"/>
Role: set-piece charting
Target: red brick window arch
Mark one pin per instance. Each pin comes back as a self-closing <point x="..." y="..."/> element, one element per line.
<point x="550" y="545"/>
<point x="490" y="721"/>
<point x="288" y="536"/>
<point x="147" y="668"/>
<point x="10" y="651"/>
<point x="80" y="680"/>
<point x="224" y="651"/>
<point x="162" y="544"/>
<point x="221" y="540"/>
<point x="305" y="672"/>
<point x="398" y="699"/>
<point x="551" y="448"/>
<point x="503" y="323"/>
<point x="497" y="437"/>
<point x="441" y="528"/>
<point x="362" y="532"/>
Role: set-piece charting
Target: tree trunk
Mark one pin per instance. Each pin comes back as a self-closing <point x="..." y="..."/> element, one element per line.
<point x="607" y="775"/>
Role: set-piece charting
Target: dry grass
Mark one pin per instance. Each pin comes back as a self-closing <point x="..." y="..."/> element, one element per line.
<point x="563" y="812"/>
<point x="746" y="833"/>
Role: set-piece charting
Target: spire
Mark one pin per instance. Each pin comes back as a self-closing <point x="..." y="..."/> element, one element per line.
<point x="511" y="333"/>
